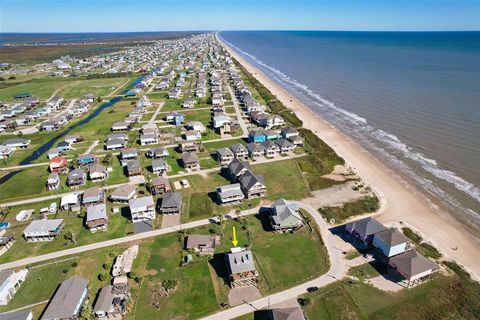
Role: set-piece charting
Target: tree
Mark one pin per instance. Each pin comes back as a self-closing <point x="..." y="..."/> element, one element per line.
<point x="169" y="284"/>
<point x="102" y="276"/>
<point x="86" y="311"/>
<point x="70" y="236"/>
<point x="12" y="78"/>
<point x="107" y="266"/>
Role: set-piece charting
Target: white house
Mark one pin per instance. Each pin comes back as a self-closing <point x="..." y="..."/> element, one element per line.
<point x="142" y="209"/>
<point x="10" y="281"/>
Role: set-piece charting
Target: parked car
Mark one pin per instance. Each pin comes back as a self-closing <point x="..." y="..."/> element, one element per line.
<point x="312" y="289"/>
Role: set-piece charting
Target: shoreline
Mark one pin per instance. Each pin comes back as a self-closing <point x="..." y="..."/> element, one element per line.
<point x="400" y="200"/>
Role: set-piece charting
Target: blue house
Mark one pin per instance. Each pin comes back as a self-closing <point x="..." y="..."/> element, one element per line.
<point x="130" y="93"/>
<point x="271" y="135"/>
<point x="256" y="136"/>
<point x="85" y="159"/>
<point x="179" y="119"/>
<point x="63" y="146"/>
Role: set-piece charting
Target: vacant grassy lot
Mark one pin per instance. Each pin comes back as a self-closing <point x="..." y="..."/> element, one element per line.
<point x="283" y="179"/>
<point x="350" y="209"/>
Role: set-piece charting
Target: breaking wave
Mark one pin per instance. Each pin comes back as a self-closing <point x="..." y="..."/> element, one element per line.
<point x="386" y="143"/>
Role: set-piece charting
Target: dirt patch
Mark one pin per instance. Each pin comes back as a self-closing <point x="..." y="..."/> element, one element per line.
<point x="151" y="272"/>
<point x="241" y="295"/>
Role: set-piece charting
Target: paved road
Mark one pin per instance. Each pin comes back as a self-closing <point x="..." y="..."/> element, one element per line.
<point x="238" y="112"/>
<point x="338" y="268"/>
<point x="114" y="242"/>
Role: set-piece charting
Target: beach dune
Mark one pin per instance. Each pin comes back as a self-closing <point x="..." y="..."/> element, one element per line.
<point x="402" y="203"/>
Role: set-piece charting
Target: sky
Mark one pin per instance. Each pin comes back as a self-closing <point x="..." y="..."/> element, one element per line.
<point x="168" y="15"/>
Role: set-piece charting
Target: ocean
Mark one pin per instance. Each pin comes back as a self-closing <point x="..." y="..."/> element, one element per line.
<point x="412" y="98"/>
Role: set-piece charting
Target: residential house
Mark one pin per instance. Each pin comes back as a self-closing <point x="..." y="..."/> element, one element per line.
<point x="109" y="305"/>
<point x="120" y="126"/>
<point x="16" y="143"/>
<point x="364" y="229"/>
<point x="241" y="268"/>
<point x="224" y="156"/>
<point x="296" y="140"/>
<point x="256" y="136"/>
<point x="10" y="282"/>
<point x="17" y="315"/>
<point x="230" y="193"/>
<point x="237" y="168"/>
<point x="134" y="168"/>
<point x="189" y="103"/>
<point x="159" y="166"/>
<point x="76" y="177"/>
<point x="72" y="139"/>
<point x="93" y="196"/>
<point x="97" y="172"/>
<point x="271" y="149"/>
<point x="124" y="262"/>
<point x="285" y="216"/>
<point x="142" y="209"/>
<point x="123" y="193"/>
<point x="68" y="300"/>
<point x="174" y="93"/>
<point x="179" y="118"/>
<point x="70" y="202"/>
<point x="391" y="242"/>
<point x="289" y="132"/>
<point x="191" y="135"/>
<point x="255" y="150"/>
<point x="85" y="159"/>
<point x="285" y="145"/>
<point x="128" y="154"/>
<point x="171" y="203"/>
<point x="253" y="185"/>
<point x="6" y="152"/>
<point x="149" y="138"/>
<point x="64" y="146"/>
<point x="202" y="244"/>
<point x="114" y="144"/>
<point x="53" y="181"/>
<point x="292" y="313"/>
<point x="239" y="151"/>
<point x="270" y="135"/>
<point x="188" y="146"/>
<point x="6" y="241"/>
<point x="157" y="153"/>
<point x="96" y="217"/>
<point x="190" y="160"/>
<point x="43" y="230"/>
<point x="413" y="267"/>
<point x="160" y="185"/>
<point x="221" y="120"/>
<point x="195" y="126"/>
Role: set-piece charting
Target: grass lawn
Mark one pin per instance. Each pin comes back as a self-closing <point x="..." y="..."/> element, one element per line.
<point x="276" y="174"/>
<point x="118" y="226"/>
<point x="98" y="87"/>
<point x="194" y="297"/>
<point x="350" y="209"/>
<point x="36" y="139"/>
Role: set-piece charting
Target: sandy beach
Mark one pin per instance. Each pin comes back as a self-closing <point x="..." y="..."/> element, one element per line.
<point x="401" y="202"/>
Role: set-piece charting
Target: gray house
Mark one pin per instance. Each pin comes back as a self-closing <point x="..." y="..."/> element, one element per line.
<point x="171" y="203"/>
<point x="93" y="196"/>
<point x="241" y="268"/>
<point x="236" y="168"/>
<point x="284" y="216"/>
<point x="68" y="300"/>
<point x="253" y="185"/>
<point x="240" y="151"/>
<point x="224" y="156"/>
<point x="231" y="193"/>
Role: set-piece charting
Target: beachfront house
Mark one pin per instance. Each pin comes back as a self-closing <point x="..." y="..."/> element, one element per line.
<point x="10" y="282"/>
<point x="68" y="300"/>
<point x="364" y="229"/>
<point x="413" y="267"/>
<point x="171" y="203"/>
<point x="284" y="145"/>
<point x="43" y="230"/>
<point x="142" y="209"/>
<point x="241" y="268"/>
<point x="284" y="216"/>
<point x="391" y="242"/>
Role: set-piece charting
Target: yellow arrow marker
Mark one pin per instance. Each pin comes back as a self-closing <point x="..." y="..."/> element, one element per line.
<point x="234" y="241"/>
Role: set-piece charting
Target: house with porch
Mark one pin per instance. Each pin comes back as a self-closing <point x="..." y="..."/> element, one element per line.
<point x="241" y="268"/>
<point x="255" y="150"/>
<point x="364" y="229"/>
<point x="53" y="181"/>
<point x="93" y="196"/>
<point x="171" y="203"/>
<point x="10" y="282"/>
<point x="97" y="172"/>
<point x="159" y="166"/>
<point x="285" y="216"/>
<point x="134" y="168"/>
<point x="253" y="185"/>
<point x="391" y="242"/>
<point x="230" y="193"/>
<point x="239" y="151"/>
<point x="202" y="244"/>
<point x="224" y="156"/>
<point x="123" y="193"/>
<point x="96" y="218"/>
<point x="85" y="159"/>
<point x="237" y="168"/>
<point x="76" y="177"/>
<point x="190" y="161"/>
<point x="413" y="267"/>
<point x="43" y="230"/>
<point x="142" y="209"/>
<point x="160" y="185"/>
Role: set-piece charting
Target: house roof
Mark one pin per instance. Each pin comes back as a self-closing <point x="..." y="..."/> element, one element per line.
<point x="123" y="191"/>
<point x="366" y="226"/>
<point x="158" y="163"/>
<point x="104" y="300"/>
<point x="195" y="240"/>
<point x="93" y="192"/>
<point x="411" y="263"/>
<point x="43" y="225"/>
<point x="248" y="180"/>
<point x="392" y="237"/>
<point x="283" y="143"/>
<point x="158" y="181"/>
<point x="285" y="214"/>
<point x="66" y="299"/>
<point x="134" y="164"/>
<point x="190" y="157"/>
<point x="76" y="173"/>
<point x="230" y="190"/>
<point x="225" y="152"/>
<point x="294" y="313"/>
<point x="236" y="166"/>
<point x="255" y="147"/>
<point x="171" y="199"/>
<point x="17" y="315"/>
<point x="4" y="275"/>
<point x="141" y="202"/>
<point x="289" y="130"/>
<point x="238" y="147"/>
<point x="97" y="212"/>
<point x="96" y="168"/>
<point x="240" y="261"/>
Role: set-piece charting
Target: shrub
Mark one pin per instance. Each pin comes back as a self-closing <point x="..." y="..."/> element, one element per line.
<point x="350" y="209"/>
<point x="102" y="276"/>
<point x="415" y="237"/>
